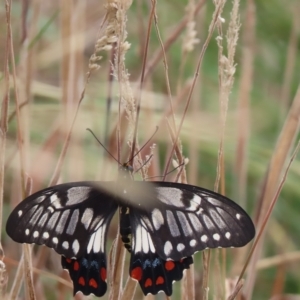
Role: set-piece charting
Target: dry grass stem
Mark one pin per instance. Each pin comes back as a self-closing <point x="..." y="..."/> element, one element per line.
<point x="277" y="260"/>
<point x="245" y="87"/>
<point x="236" y="290"/>
<point x="189" y="39"/>
<point x="243" y="115"/>
<point x="226" y="75"/>
<point x="291" y="60"/>
<point x="129" y="289"/>
<point x="282" y="149"/>
<point x="256" y="247"/>
<point x="157" y="56"/>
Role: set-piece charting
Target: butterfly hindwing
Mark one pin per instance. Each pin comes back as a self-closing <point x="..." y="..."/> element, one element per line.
<point x="187" y="219"/>
<point x="88" y="274"/>
<point x="62" y="217"/>
<point x="153" y="273"/>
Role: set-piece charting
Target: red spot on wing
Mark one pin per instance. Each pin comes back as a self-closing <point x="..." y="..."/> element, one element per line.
<point x="68" y="260"/>
<point x="160" y="280"/>
<point x="148" y="282"/>
<point x="81" y="281"/>
<point x="103" y="274"/>
<point x="136" y="273"/>
<point x="76" y="266"/>
<point x="93" y="283"/>
<point x="169" y="265"/>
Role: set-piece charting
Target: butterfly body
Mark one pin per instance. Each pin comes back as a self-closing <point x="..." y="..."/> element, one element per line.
<point x="161" y="224"/>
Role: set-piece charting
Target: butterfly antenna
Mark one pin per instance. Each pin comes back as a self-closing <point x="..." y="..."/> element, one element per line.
<point x="90" y="130"/>
<point x="131" y="159"/>
<point x="145" y="163"/>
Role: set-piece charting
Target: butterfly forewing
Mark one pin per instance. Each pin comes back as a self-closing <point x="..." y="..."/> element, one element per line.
<point x="62" y="217"/>
<point x="189" y="219"/>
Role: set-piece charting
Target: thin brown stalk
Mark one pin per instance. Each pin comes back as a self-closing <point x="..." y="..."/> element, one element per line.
<point x="206" y="259"/>
<point x="178" y="142"/>
<point x="277" y="260"/>
<point x="117" y="267"/>
<point x="3" y="133"/>
<point x="199" y="63"/>
<point x="243" y="114"/>
<point x="237" y="289"/>
<point x="247" y="69"/>
<point x="157" y="56"/>
<point x="4" y="112"/>
<point x="129" y="289"/>
<point x="139" y="97"/>
<point x="291" y="60"/>
<point x="165" y="62"/>
<point x="282" y="149"/>
<point x="29" y="287"/>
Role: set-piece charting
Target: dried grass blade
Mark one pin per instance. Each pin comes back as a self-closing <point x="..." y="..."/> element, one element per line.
<point x="257" y="246"/>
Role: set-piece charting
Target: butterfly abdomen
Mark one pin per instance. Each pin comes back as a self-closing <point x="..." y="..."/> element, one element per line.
<point x="125" y="227"/>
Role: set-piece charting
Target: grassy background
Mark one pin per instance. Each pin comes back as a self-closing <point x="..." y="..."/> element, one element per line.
<point x="51" y="71"/>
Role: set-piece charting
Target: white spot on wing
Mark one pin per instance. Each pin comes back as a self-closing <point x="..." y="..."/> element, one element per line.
<point x="227" y="235"/>
<point x="73" y="222"/>
<point x="197" y="199"/>
<point x="20" y="213"/>
<point x="75" y="246"/>
<point x="46" y="235"/>
<point x="180" y="247"/>
<point x="208" y="222"/>
<point x="145" y="240"/>
<point x="27" y="231"/>
<point x="60" y="226"/>
<point x="152" y="248"/>
<point x="53" y="198"/>
<point x="35" y="234"/>
<point x="204" y="238"/>
<point x="36" y="215"/>
<point x="87" y="217"/>
<point x="78" y="194"/>
<point x="216" y="237"/>
<point x="168" y="248"/>
<point x="138" y="239"/>
<point x="172" y="224"/>
<point x="170" y="196"/>
<point x="91" y="242"/>
<point x="238" y="216"/>
<point x="51" y="209"/>
<point x="193" y="243"/>
<point x="157" y="218"/>
<point x="184" y="224"/>
<point x="52" y="221"/>
<point x="99" y="239"/>
<point x="65" y="245"/>
<point x="43" y="220"/>
<point x="40" y="199"/>
<point x="55" y="240"/>
<point x="195" y="222"/>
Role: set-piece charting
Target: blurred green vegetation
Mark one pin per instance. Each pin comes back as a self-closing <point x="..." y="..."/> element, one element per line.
<point x="274" y="22"/>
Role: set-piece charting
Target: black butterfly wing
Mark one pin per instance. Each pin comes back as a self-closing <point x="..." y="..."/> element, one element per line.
<point x="88" y="272"/>
<point x="63" y="217"/>
<point x="187" y="219"/>
<point x="153" y="273"/>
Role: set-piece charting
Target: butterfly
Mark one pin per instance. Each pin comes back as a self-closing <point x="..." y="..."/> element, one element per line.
<point x="162" y="224"/>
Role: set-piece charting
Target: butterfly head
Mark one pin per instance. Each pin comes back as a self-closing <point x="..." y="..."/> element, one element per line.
<point x="125" y="171"/>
